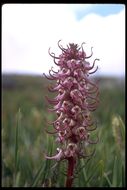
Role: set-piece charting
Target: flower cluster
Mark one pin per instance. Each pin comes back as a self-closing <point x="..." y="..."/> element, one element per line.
<point x="77" y="98"/>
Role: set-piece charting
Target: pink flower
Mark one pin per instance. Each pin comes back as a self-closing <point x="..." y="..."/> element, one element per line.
<point x="77" y="97"/>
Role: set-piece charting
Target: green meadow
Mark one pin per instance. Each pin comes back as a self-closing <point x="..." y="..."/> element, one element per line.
<point x="24" y="140"/>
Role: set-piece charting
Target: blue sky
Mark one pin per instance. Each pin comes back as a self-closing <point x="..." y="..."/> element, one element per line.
<point x="28" y="30"/>
<point x="99" y="9"/>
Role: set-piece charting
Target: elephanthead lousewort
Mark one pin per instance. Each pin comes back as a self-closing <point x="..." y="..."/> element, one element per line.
<point x="77" y="98"/>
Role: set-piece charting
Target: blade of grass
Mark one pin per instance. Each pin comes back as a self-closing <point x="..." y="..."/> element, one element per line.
<point x="118" y="132"/>
<point x="17" y="181"/>
<point x="43" y="170"/>
<point x="84" y="173"/>
<point x="93" y="171"/>
<point x="18" y="119"/>
<point x="101" y="168"/>
<point x="101" y="173"/>
<point x="60" y="174"/>
<point x="40" y="174"/>
<point x="123" y="176"/>
<point x="122" y="128"/>
<point x="114" y="176"/>
<point x="107" y="179"/>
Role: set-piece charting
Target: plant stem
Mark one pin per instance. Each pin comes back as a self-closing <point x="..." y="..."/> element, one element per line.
<point x="71" y="165"/>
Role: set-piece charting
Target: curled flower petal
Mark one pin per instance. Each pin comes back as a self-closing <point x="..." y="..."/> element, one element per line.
<point x="56" y="157"/>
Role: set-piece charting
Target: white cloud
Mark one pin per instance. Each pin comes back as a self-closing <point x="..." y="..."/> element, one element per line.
<point x="29" y="30"/>
<point x="107" y="36"/>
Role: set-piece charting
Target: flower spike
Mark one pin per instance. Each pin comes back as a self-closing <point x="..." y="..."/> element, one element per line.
<point x="77" y="96"/>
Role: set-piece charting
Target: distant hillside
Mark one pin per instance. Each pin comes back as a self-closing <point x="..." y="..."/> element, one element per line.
<point x="22" y="81"/>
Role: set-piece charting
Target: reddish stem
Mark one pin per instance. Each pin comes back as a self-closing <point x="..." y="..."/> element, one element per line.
<point x="71" y="165"/>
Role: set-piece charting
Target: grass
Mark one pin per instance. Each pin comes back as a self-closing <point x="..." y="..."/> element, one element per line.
<point x="24" y="140"/>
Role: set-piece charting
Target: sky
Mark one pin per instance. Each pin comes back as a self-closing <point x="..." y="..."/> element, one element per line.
<point x="28" y="30"/>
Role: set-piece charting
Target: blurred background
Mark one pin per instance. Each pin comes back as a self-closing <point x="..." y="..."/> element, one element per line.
<point x="28" y="30"/>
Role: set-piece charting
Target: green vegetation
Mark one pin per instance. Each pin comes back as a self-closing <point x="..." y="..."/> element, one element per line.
<point x="24" y="140"/>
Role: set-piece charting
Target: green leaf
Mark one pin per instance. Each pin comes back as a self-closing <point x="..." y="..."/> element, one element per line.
<point x="122" y="125"/>
<point x="123" y="176"/>
<point x="18" y="123"/>
<point x="38" y="175"/>
<point x="84" y="173"/>
<point x="43" y="171"/>
<point x="97" y="166"/>
<point x="114" y="176"/>
<point x="107" y="179"/>
<point x="17" y="180"/>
